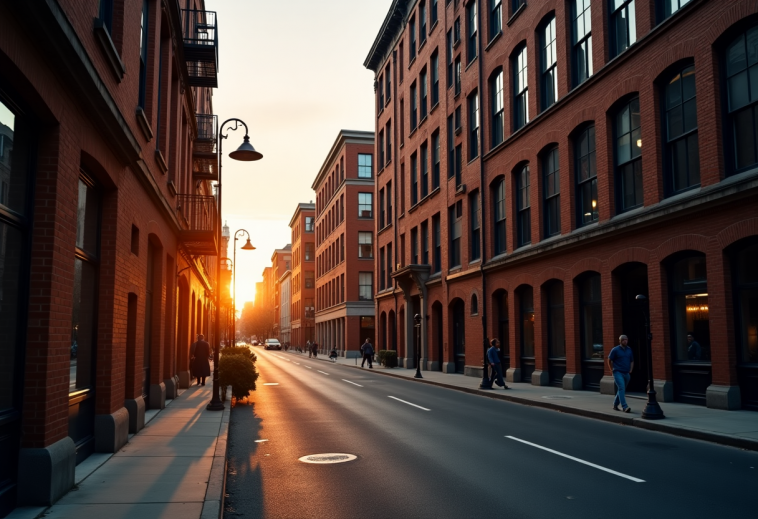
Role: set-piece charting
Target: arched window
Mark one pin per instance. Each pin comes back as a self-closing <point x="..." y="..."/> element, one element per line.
<point x="499" y="216"/>
<point x="680" y="123"/>
<point x="552" y="192"/>
<point x="582" y="40"/>
<point x="741" y="61"/>
<point x="549" y="62"/>
<point x="523" y="204"/>
<point x="585" y="172"/>
<point x="628" y="151"/>
<point x="498" y="119"/>
<point x="474" y="305"/>
<point x="520" y="90"/>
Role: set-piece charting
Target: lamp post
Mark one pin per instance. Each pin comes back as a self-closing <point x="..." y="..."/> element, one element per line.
<point x="245" y="153"/>
<point x="652" y="410"/>
<point x="246" y="246"/>
<point x="228" y="325"/>
<point x="417" y="319"/>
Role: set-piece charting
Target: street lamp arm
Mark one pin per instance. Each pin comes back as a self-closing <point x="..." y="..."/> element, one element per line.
<point x="237" y="123"/>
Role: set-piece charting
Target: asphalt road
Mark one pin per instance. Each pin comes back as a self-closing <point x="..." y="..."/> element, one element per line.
<point x="458" y="455"/>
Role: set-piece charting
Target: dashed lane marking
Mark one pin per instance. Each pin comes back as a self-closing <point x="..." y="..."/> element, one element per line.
<point x="403" y="401"/>
<point x="353" y="383"/>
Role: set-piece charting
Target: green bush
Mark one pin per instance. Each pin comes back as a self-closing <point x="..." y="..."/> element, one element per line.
<point x="387" y="358"/>
<point x="239" y="350"/>
<point x="239" y="372"/>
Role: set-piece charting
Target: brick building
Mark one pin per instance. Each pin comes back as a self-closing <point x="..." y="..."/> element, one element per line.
<point x="344" y="190"/>
<point x="303" y="283"/>
<point x="107" y="146"/>
<point x="551" y="161"/>
<point x="281" y="261"/>
<point x="285" y="307"/>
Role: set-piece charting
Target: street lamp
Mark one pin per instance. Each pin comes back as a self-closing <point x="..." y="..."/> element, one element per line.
<point x="245" y="153"/>
<point x="228" y="325"/>
<point x="417" y="319"/>
<point x="246" y="246"/>
<point x="652" y="410"/>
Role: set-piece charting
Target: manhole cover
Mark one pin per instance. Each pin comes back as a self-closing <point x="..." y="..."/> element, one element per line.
<point x="557" y="397"/>
<point x="325" y="459"/>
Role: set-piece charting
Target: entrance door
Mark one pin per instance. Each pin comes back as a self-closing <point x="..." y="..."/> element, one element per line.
<point x="437" y="316"/>
<point x="556" y="334"/>
<point x="633" y="281"/>
<point x="459" y="336"/>
<point x="591" y="330"/>
<point x="148" y="323"/>
<point x="526" y="296"/>
<point x="503" y="330"/>
<point x="746" y="295"/>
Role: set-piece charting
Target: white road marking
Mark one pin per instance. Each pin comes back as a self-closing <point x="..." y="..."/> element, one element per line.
<point x="260" y="441"/>
<point x="271" y="384"/>
<point x="308" y="367"/>
<point x="293" y="362"/>
<point x="353" y="383"/>
<point x="324" y="372"/>
<point x="631" y="478"/>
<point x="403" y="401"/>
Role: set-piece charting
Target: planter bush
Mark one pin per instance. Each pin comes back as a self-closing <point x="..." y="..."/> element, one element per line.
<point x="238" y="371"/>
<point x="239" y="350"/>
<point x="387" y="358"/>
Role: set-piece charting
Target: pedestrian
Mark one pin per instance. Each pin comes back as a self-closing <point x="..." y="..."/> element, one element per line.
<point x="309" y="347"/>
<point x="621" y="362"/>
<point x="694" y="351"/>
<point x="201" y="366"/>
<point x="493" y="357"/>
<point x="314" y="348"/>
<point x="368" y="353"/>
<point x="192" y="358"/>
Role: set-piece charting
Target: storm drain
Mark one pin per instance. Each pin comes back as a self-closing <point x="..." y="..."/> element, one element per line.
<point x="328" y="458"/>
<point x="557" y="397"/>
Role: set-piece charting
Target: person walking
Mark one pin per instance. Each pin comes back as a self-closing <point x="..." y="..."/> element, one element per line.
<point x="314" y="348"/>
<point x="309" y="347"/>
<point x="200" y="364"/>
<point x="493" y="357"/>
<point x="192" y="359"/>
<point x="621" y="362"/>
<point x="367" y="349"/>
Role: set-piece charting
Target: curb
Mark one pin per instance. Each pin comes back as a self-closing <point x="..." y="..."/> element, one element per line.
<point x="620" y="418"/>
<point x="213" y="506"/>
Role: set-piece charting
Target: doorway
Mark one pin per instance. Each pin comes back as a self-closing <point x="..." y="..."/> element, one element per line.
<point x="632" y="280"/>
<point x="459" y="335"/>
<point x="503" y="328"/>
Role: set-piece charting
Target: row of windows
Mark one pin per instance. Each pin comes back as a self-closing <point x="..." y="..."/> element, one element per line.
<point x="421" y="238"/>
<point x="333" y="292"/>
<point x="336" y="177"/>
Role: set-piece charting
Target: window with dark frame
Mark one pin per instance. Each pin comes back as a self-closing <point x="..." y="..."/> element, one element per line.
<point x="471" y="30"/>
<point x="549" y="61"/>
<point x="381" y="209"/>
<point x="437" y="243"/>
<point x="496" y="18"/>
<point x="581" y="15"/>
<point x="586" y="176"/>
<point x="473" y="125"/>
<point x="741" y="69"/>
<point x="434" y="66"/>
<point x="628" y="155"/>
<point x="552" y="192"/>
<point x="516" y="5"/>
<point x="449" y="47"/>
<point x="389" y="202"/>
<point x="309" y="252"/>
<point x="414" y="179"/>
<point x="458" y="165"/>
<point x="499" y="217"/>
<point x="523" y="205"/>
<point x="425" y="242"/>
<point x="475" y="225"/>
<point x="457" y="75"/>
<point x="520" y="90"/>
<point x="668" y="7"/>
<point x="412" y="40"/>
<point x="435" y="160"/>
<point x="380" y="149"/>
<point x="456" y="231"/>
<point x="424" y="152"/>
<point x="365" y="168"/>
<point x="450" y="150"/>
<point x="144" y="40"/>
<point x="456" y="31"/>
<point x="365" y="205"/>
<point x="414" y="246"/>
<point x="623" y="26"/>
<point x="387" y="83"/>
<point x="365" y="286"/>
<point x="424" y="93"/>
<point x="680" y="123"/>
<point x="388" y="143"/>
<point x="422" y="23"/>
<point x="106" y="14"/>
<point x="382" y="270"/>
<point x="497" y="103"/>
<point x="365" y="245"/>
<point x="309" y="220"/>
<point x="414" y="107"/>
<point x="380" y="94"/>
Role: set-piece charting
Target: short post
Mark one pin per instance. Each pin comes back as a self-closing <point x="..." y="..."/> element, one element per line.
<point x="417" y="319"/>
<point x="652" y="409"/>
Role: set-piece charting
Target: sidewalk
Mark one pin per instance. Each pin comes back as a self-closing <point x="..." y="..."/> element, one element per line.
<point x="734" y="428"/>
<point x="173" y="468"/>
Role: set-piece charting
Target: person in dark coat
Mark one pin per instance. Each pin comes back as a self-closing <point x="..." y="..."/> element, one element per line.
<point x="201" y="366"/>
<point x="314" y="349"/>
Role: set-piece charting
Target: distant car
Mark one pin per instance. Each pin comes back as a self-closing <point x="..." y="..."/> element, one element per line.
<point x="273" y="344"/>
<point x="255" y="343"/>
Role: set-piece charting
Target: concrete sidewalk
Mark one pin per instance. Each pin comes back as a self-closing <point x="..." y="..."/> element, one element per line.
<point x="173" y="468"/>
<point x="734" y="428"/>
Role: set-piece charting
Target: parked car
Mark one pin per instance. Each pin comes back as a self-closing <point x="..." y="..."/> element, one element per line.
<point x="273" y="344"/>
<point x="255" y="342"/>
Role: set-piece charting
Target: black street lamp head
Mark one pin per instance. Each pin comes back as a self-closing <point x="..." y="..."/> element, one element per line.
<point x="417" y="318"/>
<point x="245" y="152"/>
<point x="641" y="298"/>
<point x="248" y="245"/>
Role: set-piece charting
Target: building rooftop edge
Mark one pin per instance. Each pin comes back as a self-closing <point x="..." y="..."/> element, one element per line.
<point x="302" y="206"/>
<point x="386" y="34"/>
<point x="340" y="141"/>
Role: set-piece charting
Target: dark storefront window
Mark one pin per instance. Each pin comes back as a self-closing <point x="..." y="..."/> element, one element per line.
<point x="556" y="336"/>
<point x="746" y="296"/>
<point x="691" y="328"/>
<point x="591" y="337"/>
<point x="526" y="297"/>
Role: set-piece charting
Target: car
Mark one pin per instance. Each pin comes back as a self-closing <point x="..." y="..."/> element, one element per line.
<point x="273" y="344"/>
<point x="255" y="343"/>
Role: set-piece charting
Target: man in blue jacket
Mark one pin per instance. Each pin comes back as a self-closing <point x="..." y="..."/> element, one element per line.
<point x="493" y="357"/>
<point x="621" y="362"/>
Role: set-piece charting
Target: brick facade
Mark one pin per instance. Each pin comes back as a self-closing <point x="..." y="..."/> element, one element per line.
<point x="303" y="280"/>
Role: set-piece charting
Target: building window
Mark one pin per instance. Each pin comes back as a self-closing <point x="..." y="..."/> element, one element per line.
<point x="457" y="31"/>
<point x="552" y="192"/>
<point x="628" y="156"/>
<point x="435" y="65"/>
<point x="690" y="310"/>
<point x="526" y="297"/>
<point x="516" y="5"/>
<point x="308" y="252"/>
<point x="498" y="119"/>
<point x="471" y="28"/>
<point x="387" y="83"/>
<point x="496" y="18"/>
<point x="450" y="149"/>
<point x="414" y="246"/>
<point x="742" y="100"/>
<point x="381" y="209"/>
<point x="389" y="142"/>
<point x="365" y="205"/>
<point x="474" y="305"/>
<point x="380" y="95"/>
<point x="680" y="121"/>
<point x="520" y="91"/>
<point x="143" y="43"/>
<point x="382" y="270"/>
<point x="476" y="242"/>
<point x="499" y="215"/>
<point x="746" y="295"/>
<point x="456" y="230"/>
<point x="390" y="264"/>
<point x="591" y="317"/>
<point x="389" y="203"/>
<point x="365" y="245"/>
<point x="458" y="165"/>
<point x="424" y="170"/>
<point x="549" y="65"/>
<point x="586" y="177"/>
<point x="449" y="47"/>
<point x="424" y="93"/>
<point x="414" y="107"/>
<point x="473" y="125"/>
<point x="523" y="204"/>
<point x="414" y="179"/>
<point x="380" y="149"/>
<point x="365" y="286"/>
<point x="623" y="26"/>
<point x="309" y="223"/>
<point x="425" y="242"/>
<point x="582" y="40"/>
<point x="436" y="160"/>
<point x="668" y="7"/>
<point x="412" y="41"/>
<point x="437" y="243"/>
<point x="433" y="16"/>
<point x="365" y="168"/>
<point x="457" y="75"/>
<point x="422" y="23"/>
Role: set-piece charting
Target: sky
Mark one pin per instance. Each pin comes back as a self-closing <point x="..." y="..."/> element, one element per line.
<point x="293" y="71"/>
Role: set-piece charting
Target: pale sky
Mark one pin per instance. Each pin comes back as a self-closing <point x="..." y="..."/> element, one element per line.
<point x="293" y="71"/>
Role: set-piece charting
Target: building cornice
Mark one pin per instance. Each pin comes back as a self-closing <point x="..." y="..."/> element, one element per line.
<point x="301" y="208"/>
<point x="391" y="27"/>
<point x="343" y="138"/>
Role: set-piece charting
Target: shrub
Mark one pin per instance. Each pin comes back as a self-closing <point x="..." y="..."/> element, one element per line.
<point x="239" y="350"/>
<point x="387" y="358"/>
<point x="239" y="372"/>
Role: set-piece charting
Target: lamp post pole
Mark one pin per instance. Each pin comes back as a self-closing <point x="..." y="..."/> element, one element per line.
<point x="417" y="319"/>
<point x="652" y="409"/>
<point x="246" y="246"/>
<point x="246" y="153"/>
